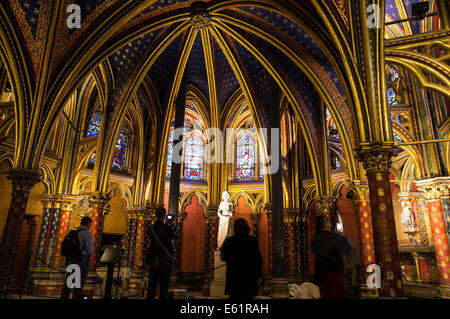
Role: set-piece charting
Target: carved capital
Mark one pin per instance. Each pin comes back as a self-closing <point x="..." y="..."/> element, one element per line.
<point x="23" y="180"/>
<point x="376" y="158"/>
<point x="211" y="213"/>
<point x="325" y="205"/>
<point x="182" y="217"/>
<point x="268" y="208"/>
<point x="290" y="216"/>
<point x="361" y="189"/>
<point x="434" y="189"/>
<point x="99" y="200"/>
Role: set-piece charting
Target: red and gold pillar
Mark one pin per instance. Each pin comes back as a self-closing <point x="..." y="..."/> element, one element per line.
<point x="98" y="201"/>
<point x="377" y="163"/>
<point x="140" y="238"/>
<point x="268" y="210"/>
<point x="63" y="228"/>
<point x="433" y="191"/>
<point x="289" y="222"/>
<point x="213" y="220"/>
<point x="22" y="183"/>
<point x="365" y="223"/>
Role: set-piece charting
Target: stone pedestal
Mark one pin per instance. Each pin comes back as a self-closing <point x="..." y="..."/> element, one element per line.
<point x="217" y="286"/>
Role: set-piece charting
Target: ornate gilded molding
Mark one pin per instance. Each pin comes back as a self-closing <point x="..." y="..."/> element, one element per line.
<point x="256" y="217"/>
<point x="23" y="180"/>
<point x="211" y="213"/>
<point x="325" y="205"/>
<point x="290" y="216"/>
<point x="376" y="159"/>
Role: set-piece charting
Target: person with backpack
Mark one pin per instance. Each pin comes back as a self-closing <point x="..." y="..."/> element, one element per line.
<point x="160" y="255"/>
<point x="78" y="248"/>
<point x="329" y="249"/>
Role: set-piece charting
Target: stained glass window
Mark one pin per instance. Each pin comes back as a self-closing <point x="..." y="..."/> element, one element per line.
<point x="245" y="164"/>
<point x="193" y="158"/>
<point x="261" y="165"/>
<point x="91" y="161"/>
<point x="94" y="125"/>
<point x="169" y="154"/>
<point x="394" y="75"/>
<point x="120" y="150"/>
<point x="188" y="126"/>
<point x="392" y="97"/>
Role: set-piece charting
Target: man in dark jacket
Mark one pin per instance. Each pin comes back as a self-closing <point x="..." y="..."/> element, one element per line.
<point x="244" y="262"/>
<point x="329" y="249"/>
<point x="160" y="256"/>
<point x="86" y="247"/>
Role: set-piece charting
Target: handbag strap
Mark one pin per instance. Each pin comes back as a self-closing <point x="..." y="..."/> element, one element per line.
<point x="160" y="244"/>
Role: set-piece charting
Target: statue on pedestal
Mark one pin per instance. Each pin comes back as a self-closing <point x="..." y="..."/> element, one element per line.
<point x="407" y="217"/>
<point x="225" y="213"/>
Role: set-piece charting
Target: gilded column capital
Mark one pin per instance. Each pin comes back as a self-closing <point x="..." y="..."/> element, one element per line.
<point x="211" y="213"/>
<point x="99" y="200"/>
<point x="290" y="215"/>
<point x="182" y="217"/>
<point x="256" y="217"/>
<point x="23" y="180"/>
<point x="325" y="205"/>
<point x="268" y="209"/>
<point x="361" y="189"/>
<point x="377" y="158"/>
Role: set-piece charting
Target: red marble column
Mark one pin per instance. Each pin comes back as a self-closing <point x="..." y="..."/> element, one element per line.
<point x="385" y="236"/>
<point x="63" y="228"/>
<point x="22" y="182"/>
<point x="98" y="202"/>
<point x="377" y="163"/>
<point x="365" y="224"/>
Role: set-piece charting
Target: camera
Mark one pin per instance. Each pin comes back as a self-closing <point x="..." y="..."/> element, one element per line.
<point x="170" y="217"/>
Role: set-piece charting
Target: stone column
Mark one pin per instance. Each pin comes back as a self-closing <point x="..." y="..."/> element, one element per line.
<point x="52" y="234"/>
<point x="98" y="203"/>
<point x="362" y="202"/>
<point x="63" y="228"/>
<point x="290" y="217"/>
<point x="126" y="245"/>
<point x="133" y="235"/>
<point x="377" y="162"/>
<point x="22" y="183"/>
<point x="434" y="190"/>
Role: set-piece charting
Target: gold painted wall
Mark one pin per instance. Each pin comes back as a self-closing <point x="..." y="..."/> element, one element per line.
<point x="116" y="221"/>
<point x="5" y="194"/>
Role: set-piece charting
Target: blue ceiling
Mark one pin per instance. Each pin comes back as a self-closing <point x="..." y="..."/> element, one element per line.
<point x="196" y="68"/>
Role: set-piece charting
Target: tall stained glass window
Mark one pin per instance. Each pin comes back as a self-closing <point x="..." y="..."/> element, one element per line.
<point x="392" y="97"/>
<point x="193" y="158"/>
<point x="121" y="148"/>
<point x="245" y="162"/>
<point x="169" y="154"/>
<point x="394" y="74"/>
<point x="261" y="165"/>
<point x="94" y="125"/>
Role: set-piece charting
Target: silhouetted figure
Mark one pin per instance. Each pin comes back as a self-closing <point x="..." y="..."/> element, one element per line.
<point x="329" y="249"/>
<point x="160" y="257"/>
<point x="86" y="250"/>
<point x="244" y="262"/>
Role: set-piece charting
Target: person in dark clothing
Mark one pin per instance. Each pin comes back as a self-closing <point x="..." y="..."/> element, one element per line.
<point x="329" y="249"/>
<point x="244" y="262"/>
<point x="160" y="256"/>
<point x="86" y="251"/>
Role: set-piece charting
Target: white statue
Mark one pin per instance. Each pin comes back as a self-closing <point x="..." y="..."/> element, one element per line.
<point x="225" y="213"/>
<point x="407" y="218"/>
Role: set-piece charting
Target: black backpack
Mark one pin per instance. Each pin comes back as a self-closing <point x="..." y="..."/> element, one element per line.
<point x="70" y="246"/>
